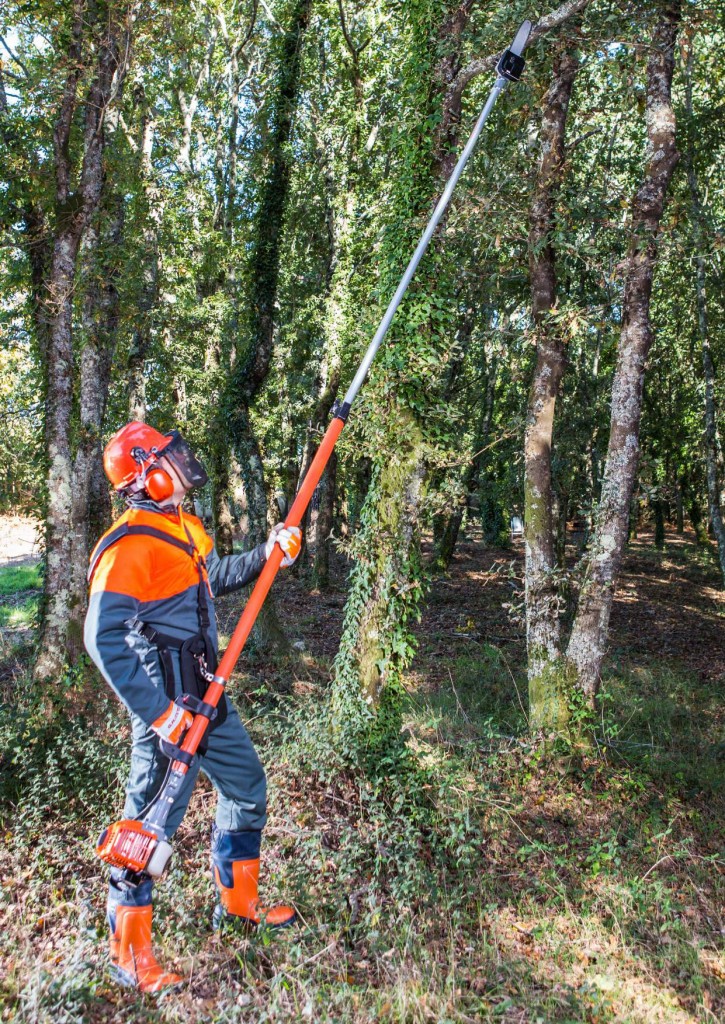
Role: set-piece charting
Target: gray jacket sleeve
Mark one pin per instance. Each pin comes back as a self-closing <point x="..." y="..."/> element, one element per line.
<point x="234" y="571"/>
<point x="123" y="656"/>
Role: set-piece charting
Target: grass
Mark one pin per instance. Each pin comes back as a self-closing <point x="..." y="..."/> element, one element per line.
<point x="20" y="578"/>
<point x="20" y="616"/>
<point x="19" y="596"/>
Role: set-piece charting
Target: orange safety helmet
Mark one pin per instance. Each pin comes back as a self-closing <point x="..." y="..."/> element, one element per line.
<point x="131" y="461"/>
<point x="127" y="458"/>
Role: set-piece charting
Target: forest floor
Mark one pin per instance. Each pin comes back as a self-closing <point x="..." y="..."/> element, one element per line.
<point x="484" y="881"/>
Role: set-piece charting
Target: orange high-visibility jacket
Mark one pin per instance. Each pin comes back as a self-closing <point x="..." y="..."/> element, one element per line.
<point x="144" y="579"/>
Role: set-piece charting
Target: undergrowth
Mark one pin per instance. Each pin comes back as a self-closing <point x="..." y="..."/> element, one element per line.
<point x="468" y="877"/>
<point x="459" y="874"/>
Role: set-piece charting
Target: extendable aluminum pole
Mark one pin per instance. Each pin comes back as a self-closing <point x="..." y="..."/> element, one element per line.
<point x="509" y="70"/>
<point x="147" y="836"/>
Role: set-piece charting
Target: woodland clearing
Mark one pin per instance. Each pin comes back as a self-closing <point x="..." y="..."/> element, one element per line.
<point x="489" y="692"/>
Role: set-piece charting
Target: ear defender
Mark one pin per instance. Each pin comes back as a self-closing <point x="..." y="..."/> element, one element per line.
<point x="158" y="485"/>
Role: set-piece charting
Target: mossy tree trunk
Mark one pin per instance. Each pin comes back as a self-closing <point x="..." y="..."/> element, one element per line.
<point x="548" y="703"/>
<point x="587" y="644"/>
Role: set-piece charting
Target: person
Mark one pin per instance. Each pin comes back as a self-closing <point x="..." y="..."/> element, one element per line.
<point x="151" y="630"/>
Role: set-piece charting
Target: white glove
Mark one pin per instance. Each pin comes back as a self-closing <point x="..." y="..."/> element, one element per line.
<point x="289" y="539"/>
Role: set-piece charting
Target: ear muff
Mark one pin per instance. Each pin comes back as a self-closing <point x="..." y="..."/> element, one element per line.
<point x="158" y="485"/>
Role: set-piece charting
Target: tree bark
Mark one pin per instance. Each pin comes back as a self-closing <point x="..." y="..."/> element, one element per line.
<point x="61" y="638"/>
<point x="150" y="266"/>
<point x="587" y="644"/>
<point x="91" y="506"/>
<point x="708" y="367"/>
<point x="548" y="705"/>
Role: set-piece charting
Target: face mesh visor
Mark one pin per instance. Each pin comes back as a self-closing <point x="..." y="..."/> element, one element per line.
<point x="182" y="458"/>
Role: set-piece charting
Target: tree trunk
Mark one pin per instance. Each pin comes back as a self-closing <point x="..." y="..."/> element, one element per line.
<point x="150" y="269"/>
<point x="448" y="536"/>
<point x="91" y="507"/>
<point x="221" y="506"/>
<point x="253" y="359"/>
<point x="385" y="587"/>
<point x="548" y="703"/>
<point x="679" y="508"/>
<point x="658" y="509"/>
<point x="60" y="639"/>
<point x="324" y="525"/>
<point x="708" y="367"/>
<point x="587" y="644"/>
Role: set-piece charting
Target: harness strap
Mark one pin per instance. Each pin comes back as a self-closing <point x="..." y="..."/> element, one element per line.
<point x="162" y="642"/>
<point x="124" y="530"/>
<point x="202" y="603"/>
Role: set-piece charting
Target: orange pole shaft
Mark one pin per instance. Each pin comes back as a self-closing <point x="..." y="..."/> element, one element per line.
<point x="261" y="589"/>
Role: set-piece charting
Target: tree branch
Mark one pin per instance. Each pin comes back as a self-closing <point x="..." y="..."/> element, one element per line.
<point x="345" y="32"/>
<point x="14" y="57"/>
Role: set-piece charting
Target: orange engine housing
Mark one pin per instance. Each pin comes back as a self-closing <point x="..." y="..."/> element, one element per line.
<point x="127" y="844"/>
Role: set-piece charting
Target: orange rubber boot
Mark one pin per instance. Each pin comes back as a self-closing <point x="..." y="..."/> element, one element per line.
<point x="240" y="899"/>
<point x="131" y="953"/>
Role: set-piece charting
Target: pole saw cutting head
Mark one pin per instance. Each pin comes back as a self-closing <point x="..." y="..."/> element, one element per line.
<point x="134" y="846"/>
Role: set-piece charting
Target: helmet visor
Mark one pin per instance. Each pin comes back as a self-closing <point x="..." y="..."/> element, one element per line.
<point x="182" y="458"/>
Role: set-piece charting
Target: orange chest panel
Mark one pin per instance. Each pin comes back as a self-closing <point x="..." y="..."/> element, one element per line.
<point x="149" y="568"/>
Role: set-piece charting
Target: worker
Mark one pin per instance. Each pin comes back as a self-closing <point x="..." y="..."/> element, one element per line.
<point x="151" y="631"/>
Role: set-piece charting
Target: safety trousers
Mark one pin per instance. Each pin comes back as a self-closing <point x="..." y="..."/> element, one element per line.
<point x="231" y="763"/>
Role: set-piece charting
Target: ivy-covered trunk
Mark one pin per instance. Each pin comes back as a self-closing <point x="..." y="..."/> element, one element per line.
<point x="254" y="351"/>
<point x="548" y="701"/>
<point x="386" y="583"/>
<point x="587" y="644"/>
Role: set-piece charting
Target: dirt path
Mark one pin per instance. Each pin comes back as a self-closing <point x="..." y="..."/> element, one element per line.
<point x="19" y="541"/>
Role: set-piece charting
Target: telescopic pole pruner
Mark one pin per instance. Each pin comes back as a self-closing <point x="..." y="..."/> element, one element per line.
<point x="133" y="842"/>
